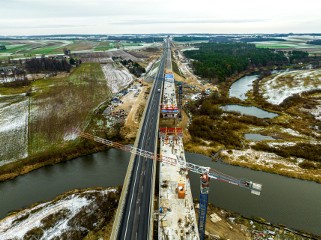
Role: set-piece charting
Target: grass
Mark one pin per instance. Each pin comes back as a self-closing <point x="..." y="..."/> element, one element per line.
<point x="260" y="45"/>
<point x="129" y="44"/>
<point x="104" y="46"/>
<point x="292" y="43"/>
<point x="176" y="69"/>
<point x="62" y="104"/>
<point x="46" y="50"/>
<point x="12" y="91"/>
<point x="87" y="72"/>
<point x="14" y="48"/>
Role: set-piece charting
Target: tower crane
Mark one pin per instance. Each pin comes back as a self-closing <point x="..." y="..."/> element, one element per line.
<point x="206" y="173"/>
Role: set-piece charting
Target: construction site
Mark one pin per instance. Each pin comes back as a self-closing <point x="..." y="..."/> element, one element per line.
<point x="175" y="211"/>
<point x="177" y="217"/>
<point x="171" y="205"/>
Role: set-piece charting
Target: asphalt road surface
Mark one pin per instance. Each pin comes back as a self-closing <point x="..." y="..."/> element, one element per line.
<point x="135" y="222"/>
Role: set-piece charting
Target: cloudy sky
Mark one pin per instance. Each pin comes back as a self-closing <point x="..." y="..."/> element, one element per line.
<point x="27" y="17"/>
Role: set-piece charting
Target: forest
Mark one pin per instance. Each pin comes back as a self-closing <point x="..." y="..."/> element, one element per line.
<point x="218" y="61"/>
<point x="189" y="39"/>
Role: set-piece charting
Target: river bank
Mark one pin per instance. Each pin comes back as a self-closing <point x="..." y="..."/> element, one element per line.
<point x="24" y="166"/>
<point x="247" y="158"/>
<point x="224" y="224"/>
<point x="280" y="201"/>
<point x="81" y="213"/>
<point x="67" y="217"/>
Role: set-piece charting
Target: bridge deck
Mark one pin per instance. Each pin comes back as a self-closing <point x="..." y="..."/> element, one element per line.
<point x="177" y="219"/>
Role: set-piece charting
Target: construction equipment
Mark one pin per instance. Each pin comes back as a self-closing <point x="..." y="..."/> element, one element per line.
<point x="205" y="172"/>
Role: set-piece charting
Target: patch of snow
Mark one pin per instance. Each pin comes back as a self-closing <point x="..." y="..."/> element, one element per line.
<point x="275" y="92"/>
<point x="13" y="130"/>
<point x="9" y="229"/>
<point x="316" y="112"/>
<point x="117" y="79"/>
<point x="190" y="49"/>
<point x="12" y="228"/>
<point x="70" y="136"/>
<point x="7" y="80"/>
<point x="292" y="132"/>
<point x="196" y="96"/>
<point x="281" y="144"/>
<point x="259" y="158"/>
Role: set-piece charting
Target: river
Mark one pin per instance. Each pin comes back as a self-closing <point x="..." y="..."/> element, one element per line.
<point x="240" y="87"/>
<point x="294" y="203"/>
<point x="249" y="110"/>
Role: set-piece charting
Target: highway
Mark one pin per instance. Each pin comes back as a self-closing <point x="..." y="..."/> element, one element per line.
<point x="135" y="221"/>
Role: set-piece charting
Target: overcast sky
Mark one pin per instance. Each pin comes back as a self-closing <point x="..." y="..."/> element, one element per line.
<point x="27" y="17"/>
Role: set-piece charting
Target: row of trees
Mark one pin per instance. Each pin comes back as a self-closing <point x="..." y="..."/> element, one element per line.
<point x="133" y="67"/>
<point x="261" y="39"/>
<point x="14" y="78"/>
<point x="301" y="150"/>
<point x="218" y="61"/>
<point x="37" y="65"/>
<point x="314" y="42"/>
<point x="136" y="39"/>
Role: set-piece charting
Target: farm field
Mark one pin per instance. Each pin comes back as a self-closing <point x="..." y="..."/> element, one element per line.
<point x="55" y="106"/>
<point x="27" y="48"/>
<point x="30" y="48"/>
<point x="292" y="43"/>
<point x="64" y="104"/>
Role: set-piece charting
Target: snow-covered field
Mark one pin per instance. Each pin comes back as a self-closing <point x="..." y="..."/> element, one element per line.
<point x="258" y="157"/>
<point x="7" y="80"/>
<point x="117" y="79"/>
<point x="13" y="128"/>
<point x="51" y="220"/>
<point x="283" y="85"/>
<point x="268" y="161"/>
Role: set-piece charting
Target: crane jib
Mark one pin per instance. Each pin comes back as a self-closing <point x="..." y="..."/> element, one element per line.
<point x="212" y="173"/>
